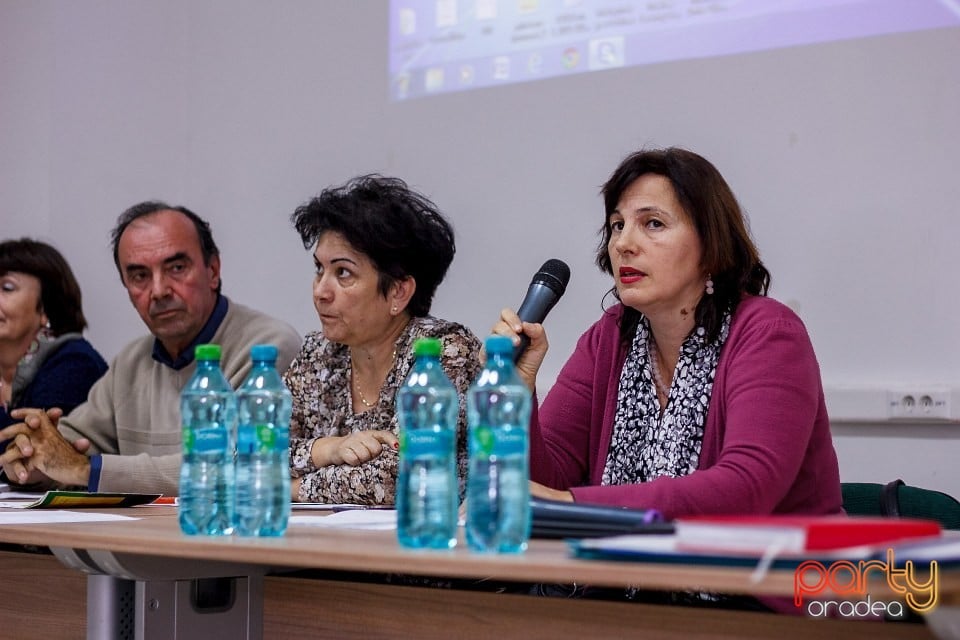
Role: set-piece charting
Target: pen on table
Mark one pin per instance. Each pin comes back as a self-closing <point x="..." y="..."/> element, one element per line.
<point x="165" y="500"/>
<point x="360" y="507"/>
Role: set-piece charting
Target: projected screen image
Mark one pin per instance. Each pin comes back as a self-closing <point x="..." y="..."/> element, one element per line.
<point x="438" y="46"/>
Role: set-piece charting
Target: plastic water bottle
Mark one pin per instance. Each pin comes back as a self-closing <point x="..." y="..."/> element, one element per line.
<point x="498" y="478"/>
<point x="263" y="448"/>
<point x="427" y="487"/>
<point x="208" y="413"/>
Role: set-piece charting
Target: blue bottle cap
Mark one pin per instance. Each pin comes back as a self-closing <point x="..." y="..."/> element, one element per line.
<point x="498" y="344"/>
<point x="207" y="352"/>
<point x="263" y="352"/>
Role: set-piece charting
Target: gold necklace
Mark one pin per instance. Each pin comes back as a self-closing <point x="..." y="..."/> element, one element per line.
<point x="356" y="385"/>
<point x="363" y="400"/>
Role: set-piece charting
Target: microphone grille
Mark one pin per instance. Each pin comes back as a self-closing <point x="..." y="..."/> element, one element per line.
<point x="555" y="274"/>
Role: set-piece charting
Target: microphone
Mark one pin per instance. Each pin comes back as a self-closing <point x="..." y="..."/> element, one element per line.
<point x="545" y="289"/>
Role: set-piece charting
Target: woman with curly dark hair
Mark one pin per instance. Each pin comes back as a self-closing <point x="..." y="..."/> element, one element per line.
<point x="380" y="250"/>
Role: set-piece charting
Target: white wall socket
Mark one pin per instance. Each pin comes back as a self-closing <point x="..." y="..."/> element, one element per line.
<point x="919" y="404"/>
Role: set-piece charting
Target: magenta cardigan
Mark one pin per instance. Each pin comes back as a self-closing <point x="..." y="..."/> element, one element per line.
<point x="766" y="444"/>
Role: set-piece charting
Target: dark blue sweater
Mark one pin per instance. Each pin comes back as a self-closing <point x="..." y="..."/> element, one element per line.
<point x="63" y="380"/>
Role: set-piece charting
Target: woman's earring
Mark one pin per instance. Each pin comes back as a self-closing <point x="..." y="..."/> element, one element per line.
<point x="709" y="284"/>
<point x="393" y="310"/>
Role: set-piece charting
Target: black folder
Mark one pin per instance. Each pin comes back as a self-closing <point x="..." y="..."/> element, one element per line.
<point x="553" y="519"/>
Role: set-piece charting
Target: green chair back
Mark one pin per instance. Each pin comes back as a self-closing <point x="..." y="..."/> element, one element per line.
<point x="898" y="500"/>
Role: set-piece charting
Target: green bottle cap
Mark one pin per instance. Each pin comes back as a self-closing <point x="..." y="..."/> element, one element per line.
<point x="427" y="347"/>
<point x="207" y="352"/>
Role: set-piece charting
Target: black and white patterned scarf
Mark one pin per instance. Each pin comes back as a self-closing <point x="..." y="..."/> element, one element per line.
<point x="645" y="444"/>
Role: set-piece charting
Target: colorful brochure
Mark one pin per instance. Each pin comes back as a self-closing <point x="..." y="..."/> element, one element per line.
<point x="81" y="500"/>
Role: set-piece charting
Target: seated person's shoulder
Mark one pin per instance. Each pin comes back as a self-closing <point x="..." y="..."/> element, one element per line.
<point x="258" y="326"/>
<point x="761" y="309"/>
<point x="80" y="352"/>
<point x="133" y="354"/>
<point x="73" y="367"/>
<point x="449" y="332"/>
<point x="242" y="314"/>
<point x="439" y="328"/>
<point x="762" y="323"/>
<point x="244" y="327"/>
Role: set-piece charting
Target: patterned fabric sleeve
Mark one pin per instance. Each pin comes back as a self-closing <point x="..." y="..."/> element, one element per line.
<point x="461" y="362"/>
<point x="319" y="382"/>
<point x="373" y="482"/>
<point x="301" y="441"/>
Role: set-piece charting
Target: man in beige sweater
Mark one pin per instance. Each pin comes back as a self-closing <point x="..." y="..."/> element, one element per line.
<point x="127" y="436"/>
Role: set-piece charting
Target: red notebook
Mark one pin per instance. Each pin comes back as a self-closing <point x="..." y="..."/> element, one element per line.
<point x="793" y="533"/>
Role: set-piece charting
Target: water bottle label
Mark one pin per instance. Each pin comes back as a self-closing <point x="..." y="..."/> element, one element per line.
<point x="486" y="441"/>
<point x="482" y="441"/>
<point x="204" y="440"/>
<point x="260" y="438"/>
<point x="246" y="438"/>
<point x="510" y="442"/>
<point x="267" y="438"/>
<point x="420" y="442"/>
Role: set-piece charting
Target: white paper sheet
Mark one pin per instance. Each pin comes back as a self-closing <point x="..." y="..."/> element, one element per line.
<point x="6" y="496"/>
<point x="370" y="519"/>
<point x="43" y="516"/>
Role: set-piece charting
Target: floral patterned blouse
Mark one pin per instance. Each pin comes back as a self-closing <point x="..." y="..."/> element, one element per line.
<point x="319" y="380"/>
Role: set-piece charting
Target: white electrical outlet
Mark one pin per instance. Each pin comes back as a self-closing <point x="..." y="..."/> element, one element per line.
<point x="918" y="404"/>
<point x="908" y="402"/>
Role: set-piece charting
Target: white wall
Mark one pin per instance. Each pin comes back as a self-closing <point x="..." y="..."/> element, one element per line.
<point x="842" y="154"/>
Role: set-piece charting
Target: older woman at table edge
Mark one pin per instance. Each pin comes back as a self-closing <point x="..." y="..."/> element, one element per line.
<point x="696" y="394"/>
<point x="380" y="250"/>
<point x="45" y="361"/>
